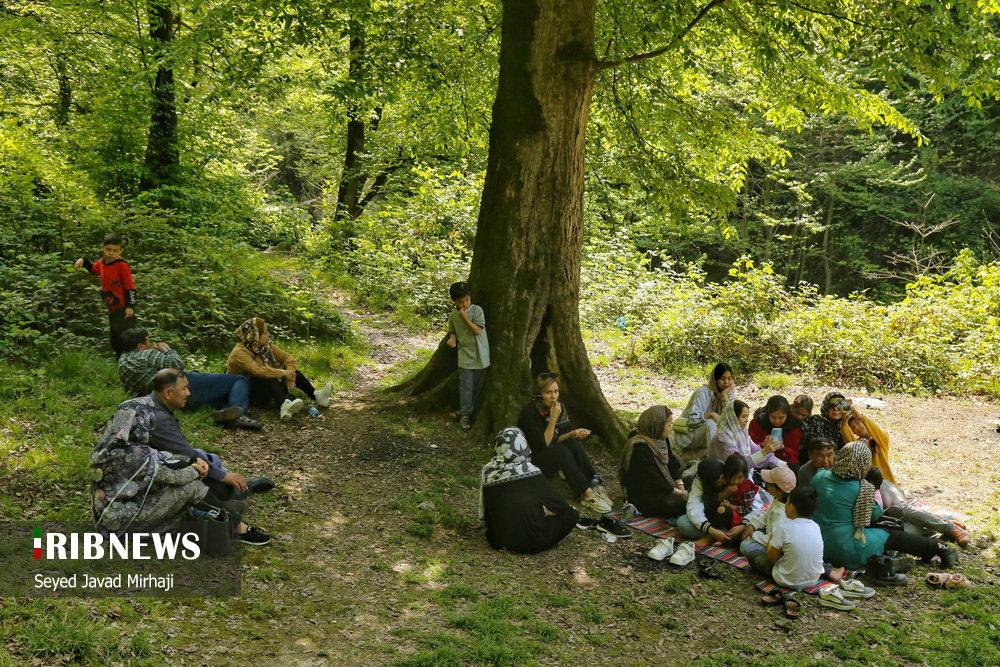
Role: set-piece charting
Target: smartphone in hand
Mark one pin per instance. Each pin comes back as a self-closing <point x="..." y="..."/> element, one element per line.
<point x="776" y="436"/>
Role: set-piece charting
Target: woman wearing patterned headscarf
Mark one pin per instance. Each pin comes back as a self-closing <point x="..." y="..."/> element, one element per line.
<point x="523" y="513"/>
<point x="649" y="471"/>
<point x="271" y="371"/>
<point x="847" y="509"/>
<point x="733" y="438"/>
<point x="830" y="421"/>
<point x="705" y="407"/>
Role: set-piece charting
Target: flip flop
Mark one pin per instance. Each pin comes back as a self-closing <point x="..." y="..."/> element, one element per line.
<point x="937" y="578"/>
<point x="792" y="607"/>
<point x="957" y="581"/>
<point x="774" y="598"/>
<point x="707" y="571"/>
<point x="785" y="623"/>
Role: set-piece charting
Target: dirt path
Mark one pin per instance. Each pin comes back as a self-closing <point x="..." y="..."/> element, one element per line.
<point x="360" y="574"/>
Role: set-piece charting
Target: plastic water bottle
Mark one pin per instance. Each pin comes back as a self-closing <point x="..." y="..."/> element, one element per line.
<point x="313" y="411"/>
<point x="595" y="483"/>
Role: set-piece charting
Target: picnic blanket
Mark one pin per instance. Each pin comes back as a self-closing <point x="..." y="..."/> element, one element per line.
<point x="658" y="528"/>
<point x="939" y="512"/>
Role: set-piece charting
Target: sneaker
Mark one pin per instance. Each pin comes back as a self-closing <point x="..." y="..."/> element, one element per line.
<point x="662" y="549"/>
<point x="229" y="414"/>
<point x="255" y="537"/>
<point x="245" y="422"/>
<point x="830" y="596"/>
<point x="323" y="395"/>
<point x="585" y="523"/>
<point x="254" y="485"/>
<point x="604" y="495"/>
<point x="684" y="554"/>
<point x="290" y="407"/>
<point x="948" y="556"/>
<point x="596" y="504"/>
<point x="612" y="527"/>
<point x="852" y="588"/>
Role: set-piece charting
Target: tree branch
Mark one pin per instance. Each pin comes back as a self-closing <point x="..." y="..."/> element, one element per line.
<point x="607" y="64"/>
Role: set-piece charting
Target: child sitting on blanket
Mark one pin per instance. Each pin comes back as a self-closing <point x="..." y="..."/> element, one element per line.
<point x="778" y="482"/>
<point x="795" y="550"/>
<point x="732" y="507"/>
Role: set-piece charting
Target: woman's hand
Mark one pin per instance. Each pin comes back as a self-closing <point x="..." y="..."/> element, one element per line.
<point x="770" y="445"/>
<point x="580" y="433"/>
<point x="555" y="410"/>
<point x="736" y="531"/>
<point x="290" y="375"/>
<point x="679" y="491"/>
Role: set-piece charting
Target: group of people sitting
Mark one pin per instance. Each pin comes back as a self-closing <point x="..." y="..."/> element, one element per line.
<point x="803" y="496"/>
<point x="143" y="468"/>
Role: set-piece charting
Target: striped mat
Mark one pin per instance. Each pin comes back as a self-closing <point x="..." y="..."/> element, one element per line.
<point x="939" y="512"/>
<point x="658" y="528"/>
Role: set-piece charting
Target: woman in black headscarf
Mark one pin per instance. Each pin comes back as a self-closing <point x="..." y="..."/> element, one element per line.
<point x="648" y="469"/>
<point x="832" y="417"/>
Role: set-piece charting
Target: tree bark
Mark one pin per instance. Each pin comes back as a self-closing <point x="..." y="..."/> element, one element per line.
<point x="827" y="269"/>
<point x="162" y="153"/>
<point x="64" y="93"/>
<point x="526" y="262"/>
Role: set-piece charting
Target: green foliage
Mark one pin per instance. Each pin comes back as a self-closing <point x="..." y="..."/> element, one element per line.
<point x="943" y="336"/>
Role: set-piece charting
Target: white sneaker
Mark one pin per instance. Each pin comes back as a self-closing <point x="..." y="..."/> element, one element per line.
<point x="662" y="549"/>
<point x="597" y="504"/>
<point x="852" y="588"/>
<point x="290" y="407"/>
<point x="830" y="596"/>
<point x="324" y="394"/>
<point x="604" y="496"/>
<point x="684" y="554"/>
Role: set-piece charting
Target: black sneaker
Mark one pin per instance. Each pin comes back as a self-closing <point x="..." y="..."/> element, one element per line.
<point x="612" y="527"/>
<point x="255" y="537"/>
<point x="254" y="485"/>
<point x="586" y="524"/>
<point x="229" y="414"/>
<point x="245" y="422"/>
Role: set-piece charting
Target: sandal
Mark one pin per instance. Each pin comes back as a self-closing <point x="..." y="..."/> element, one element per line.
<point x="792" y="607"/>
<point x="707" y="571"/>
<point x="957" y="581"/>
<point x="774" y="598"/>
<point x="785" y="623"/>
<point x="937" y="578"/>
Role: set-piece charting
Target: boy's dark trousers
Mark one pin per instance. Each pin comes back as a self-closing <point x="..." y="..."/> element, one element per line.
<point x="470" y="387"/>
<point x="119" y="324"/>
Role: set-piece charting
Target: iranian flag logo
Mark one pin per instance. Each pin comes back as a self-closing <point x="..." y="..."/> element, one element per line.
<point x="38" y="543"/>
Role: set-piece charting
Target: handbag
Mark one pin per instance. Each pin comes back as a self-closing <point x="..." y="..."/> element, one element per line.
<point x="215" y="529"/>
<point x="680" y="425"/>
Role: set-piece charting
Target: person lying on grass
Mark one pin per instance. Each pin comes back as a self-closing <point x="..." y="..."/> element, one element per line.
<point x="892" y="499"/>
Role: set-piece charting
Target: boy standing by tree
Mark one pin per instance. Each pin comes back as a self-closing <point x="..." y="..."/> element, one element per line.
<point x="117" y="289"/>
<point x="467" y="332"/>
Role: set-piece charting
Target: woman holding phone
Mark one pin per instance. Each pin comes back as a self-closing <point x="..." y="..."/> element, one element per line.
<point x="733" y="438"/>
<point x="830" y="421"/>
<point x="777" y="414"/>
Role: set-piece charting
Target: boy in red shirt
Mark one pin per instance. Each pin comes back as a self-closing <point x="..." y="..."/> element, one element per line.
<point x="117" y="289"/>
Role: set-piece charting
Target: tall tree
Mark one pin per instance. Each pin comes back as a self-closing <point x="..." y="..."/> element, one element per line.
<point x="162" y="150"/>
<point x="525" y="270"/>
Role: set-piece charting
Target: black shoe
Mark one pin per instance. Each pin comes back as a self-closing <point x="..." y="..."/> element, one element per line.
<point x="255" y="537"/>
<point x="245" y="422"/>
<point x="883" y="573"/>
<point x="229" y="414"/>
<point x="254" y="485"/>
<point x="948" y="556"/>
<point x="901" y="563"/>
<point x="585" y="523"/>
<point x="612" y="527"/>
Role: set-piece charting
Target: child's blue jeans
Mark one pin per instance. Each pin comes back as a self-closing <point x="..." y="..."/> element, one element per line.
<point x="470" y="386"/>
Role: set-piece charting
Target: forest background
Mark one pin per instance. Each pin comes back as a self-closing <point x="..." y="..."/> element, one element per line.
<point x="857" y="247"/>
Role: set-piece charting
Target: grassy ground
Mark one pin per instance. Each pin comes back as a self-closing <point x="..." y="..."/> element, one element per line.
<point x="364" y="571"/>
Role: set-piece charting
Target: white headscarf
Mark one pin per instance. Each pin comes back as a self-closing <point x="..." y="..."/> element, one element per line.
<point x="731" y="434"/>
<point x="511" y="462"/>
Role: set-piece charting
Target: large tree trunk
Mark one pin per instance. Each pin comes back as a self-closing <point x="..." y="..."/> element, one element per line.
<point x="526" y="263"/>
<point x="64" y="94"/>
<point x="162" y="152"/>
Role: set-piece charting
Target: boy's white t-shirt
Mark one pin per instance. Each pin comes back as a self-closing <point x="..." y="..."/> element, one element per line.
<point x="801" y="562"/>
<point x="766" y="523"/>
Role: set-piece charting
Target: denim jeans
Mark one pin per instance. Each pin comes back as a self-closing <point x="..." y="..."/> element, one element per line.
<point x="217" y="391"/>
<point x="756" y="553"/>
<point x="689" y="529"/>
<point x="470" y="386"/>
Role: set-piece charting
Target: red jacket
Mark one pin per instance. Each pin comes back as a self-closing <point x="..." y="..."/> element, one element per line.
<point x="117" y="286"/>
<point x="790" y="452"/>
